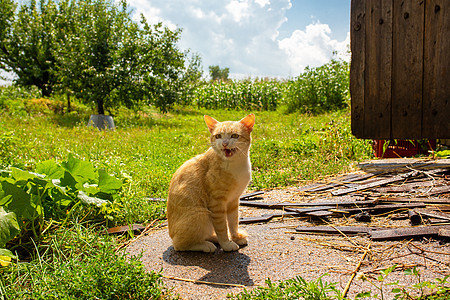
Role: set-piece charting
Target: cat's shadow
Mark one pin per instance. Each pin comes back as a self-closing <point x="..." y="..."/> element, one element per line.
<point x="223" y="267"/>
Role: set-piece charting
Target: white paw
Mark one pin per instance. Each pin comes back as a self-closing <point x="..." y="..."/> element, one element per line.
<point x="241" y="242"/>
<point x="208" y="247"/>
<point x="229" y="246"/>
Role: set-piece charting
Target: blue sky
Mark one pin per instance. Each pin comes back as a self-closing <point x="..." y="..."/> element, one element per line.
<point x="255" y="38"/>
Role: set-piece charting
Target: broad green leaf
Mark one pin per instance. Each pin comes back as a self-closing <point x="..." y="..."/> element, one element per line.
<point x="9" y="227"/>
<point x="20" y="201"/>
<point x="20" y="175"/>
<point x="82" y="171"/>
<point x="90" y="200"/>
<point x="68" y="180"/>
<point x="51" y="169"/>
<point x="5" y="257"/>
<point x="108" y="183"/>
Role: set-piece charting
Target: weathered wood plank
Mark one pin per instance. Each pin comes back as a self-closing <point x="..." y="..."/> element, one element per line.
<point x="357" y="45"/>
<point x="407" y="61"/>
<point x="436" y="93"/>
<point x="333" y="204"/>
<point x="378" y="69"/>
<point x="336" y="229"/>
<point x="383" y="208"/>
<point x="372" y="184"/>
<point x="406" y="233"/>
<point x="265" y="218"/>
<point x="252" y="195"/>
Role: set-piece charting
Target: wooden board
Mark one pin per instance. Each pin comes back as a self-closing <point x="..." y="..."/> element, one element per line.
<point x="436" y="97"/>
<point x="357" y="46"/>
<point x="406" y="233"/>
<point x="399" y="74"/>
<point x="378" y="68"/>
<point x="407" y="72"/>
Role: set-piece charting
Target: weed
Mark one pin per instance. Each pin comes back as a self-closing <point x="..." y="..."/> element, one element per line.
<point x="296" y="288"/>
<point x="76" y="263"/>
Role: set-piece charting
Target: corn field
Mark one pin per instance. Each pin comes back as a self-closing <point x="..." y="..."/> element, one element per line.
<point x="316" y="90"/>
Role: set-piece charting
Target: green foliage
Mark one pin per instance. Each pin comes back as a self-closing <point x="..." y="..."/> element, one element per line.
<point x="239" y="95"/>
<point x="27" y="44"/>
<point x="439" y="289"/>
<point x="321" y="89"/>
<point x="96" y="51"/>
<point x="76" y="263"/>
<point x="31" y="199"/>
<point x="217" y="73"/>
<point x="296" y="288"/>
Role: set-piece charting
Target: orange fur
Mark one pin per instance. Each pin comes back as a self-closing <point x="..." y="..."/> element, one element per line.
<point x="202" y="205"/>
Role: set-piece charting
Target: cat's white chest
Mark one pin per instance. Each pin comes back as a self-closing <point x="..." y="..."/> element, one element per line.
<point x="241" y="172"/>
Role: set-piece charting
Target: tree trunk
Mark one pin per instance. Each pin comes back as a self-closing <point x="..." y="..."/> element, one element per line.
<point x="100" y="108"/>
<point x="68" y="102"/>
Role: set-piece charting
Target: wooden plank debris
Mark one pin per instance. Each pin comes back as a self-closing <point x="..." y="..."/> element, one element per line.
<point x="265" y="218"/>
<point x="412" y="200"/>
<point x="335" y="229"/>
<point x="373" y="184"/>
<point x="444" y="232"/>
<point x="383" y="208"/>
<point x="406" y="233"/>
<point x="278" y="205"/>
<point x="433" y="214"/>
<point x="126" y="228"/>
<point x="251" y="195"/>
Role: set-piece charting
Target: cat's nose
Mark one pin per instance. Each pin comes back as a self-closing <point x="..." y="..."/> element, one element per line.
<point x="225" y="143"/>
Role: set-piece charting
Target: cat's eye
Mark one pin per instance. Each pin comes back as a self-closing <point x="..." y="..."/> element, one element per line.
<point x="235" y="136"/>
<point x="218" y="136"/>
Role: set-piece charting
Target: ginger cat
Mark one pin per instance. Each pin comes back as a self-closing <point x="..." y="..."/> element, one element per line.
<point x="202" y="206"/>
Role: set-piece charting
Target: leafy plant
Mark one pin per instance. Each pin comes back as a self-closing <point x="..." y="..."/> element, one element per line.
<point x="325" y="88"/>
<point x="75" y="262"/>
<point x="437" y="290"/>
<point x="296" y="288"/>
<point x="31" y="199"/>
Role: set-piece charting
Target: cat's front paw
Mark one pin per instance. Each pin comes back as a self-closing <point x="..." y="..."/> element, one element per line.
<point x="229" y="246"/>
<point x="240" y="237"/>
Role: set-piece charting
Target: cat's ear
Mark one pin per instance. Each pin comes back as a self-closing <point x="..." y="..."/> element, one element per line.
<point x="248" y="122"/>
<point x="210" y="122"/>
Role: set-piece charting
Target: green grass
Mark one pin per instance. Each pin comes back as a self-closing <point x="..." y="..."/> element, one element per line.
<point x="148" y="148"/>
<point x="76" y="263"/>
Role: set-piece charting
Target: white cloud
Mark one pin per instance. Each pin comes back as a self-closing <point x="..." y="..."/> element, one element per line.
<point x="239" y="10"/>
<point x="312" y="47"/>
<point x="242" y="35"/>
<point x="263" y="3"/>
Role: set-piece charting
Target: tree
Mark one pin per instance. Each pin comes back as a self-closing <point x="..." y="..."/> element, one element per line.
<point x="95" y="50"/>
<point x="26" y="43"/>
<point x="217" y="73"/>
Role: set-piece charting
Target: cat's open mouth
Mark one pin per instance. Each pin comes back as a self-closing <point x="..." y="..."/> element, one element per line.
<point x="229" y="152"/>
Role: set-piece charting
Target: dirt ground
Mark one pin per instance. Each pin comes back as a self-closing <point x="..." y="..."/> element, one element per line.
<point x="278" y="252"/>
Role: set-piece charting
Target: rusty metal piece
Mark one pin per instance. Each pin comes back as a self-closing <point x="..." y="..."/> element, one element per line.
<point x="406" y="233"/>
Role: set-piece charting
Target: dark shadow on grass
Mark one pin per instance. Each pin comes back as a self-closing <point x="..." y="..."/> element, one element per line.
<point x="223" y="267"/>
